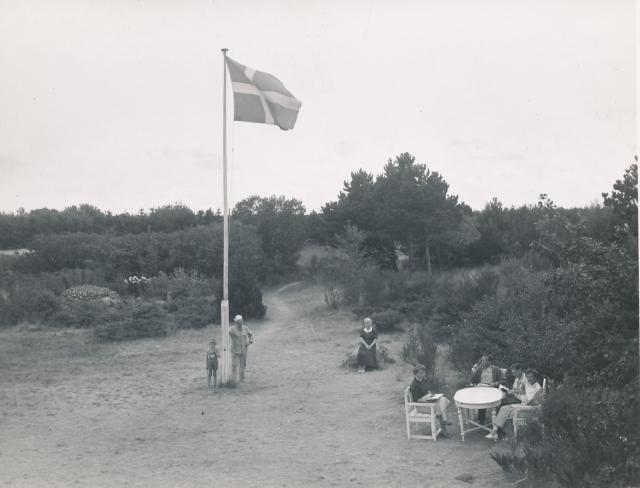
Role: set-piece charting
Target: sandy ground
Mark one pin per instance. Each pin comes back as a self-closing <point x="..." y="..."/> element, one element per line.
<point x="77" y="413"/>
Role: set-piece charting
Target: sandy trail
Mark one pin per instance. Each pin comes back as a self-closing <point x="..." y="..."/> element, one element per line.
<point x="76" y="413"/>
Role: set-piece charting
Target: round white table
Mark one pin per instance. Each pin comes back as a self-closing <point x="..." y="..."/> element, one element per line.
<point x="476" y="398"/>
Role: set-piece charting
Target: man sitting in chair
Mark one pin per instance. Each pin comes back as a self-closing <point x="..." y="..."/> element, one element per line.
<point x="421" y="393"/>
<point x="487" y="374"/>
<point x="532" y="396"/>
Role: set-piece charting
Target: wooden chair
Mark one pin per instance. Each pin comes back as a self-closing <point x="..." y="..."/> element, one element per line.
<point x="523" y="413"/>
<point x="420" y="413"/>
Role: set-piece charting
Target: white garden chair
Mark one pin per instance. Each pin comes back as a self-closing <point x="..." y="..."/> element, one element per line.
<point x="420" y="413"/>
<point x="524" y="413"/>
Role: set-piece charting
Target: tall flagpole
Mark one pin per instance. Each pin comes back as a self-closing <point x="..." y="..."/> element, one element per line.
<point x="224" y="304"/>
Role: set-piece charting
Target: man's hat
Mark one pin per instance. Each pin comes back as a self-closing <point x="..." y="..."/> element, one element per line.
<point x="237" y="318"/>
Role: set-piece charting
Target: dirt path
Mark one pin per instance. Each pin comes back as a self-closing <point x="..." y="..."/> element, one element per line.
<point x="76" y="413"/>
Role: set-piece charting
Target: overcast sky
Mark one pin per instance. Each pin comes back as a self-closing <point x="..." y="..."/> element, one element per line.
<point x="119" y="103"/>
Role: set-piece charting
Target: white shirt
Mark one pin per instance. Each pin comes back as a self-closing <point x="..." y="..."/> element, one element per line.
<point x="519" y="384"/>
<point x="530" y="392"/>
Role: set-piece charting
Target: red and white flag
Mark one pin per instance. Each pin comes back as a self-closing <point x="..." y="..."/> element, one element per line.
<point x="262" y="98"/>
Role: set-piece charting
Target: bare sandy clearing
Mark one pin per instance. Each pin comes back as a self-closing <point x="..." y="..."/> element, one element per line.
<point x="76" y="413"/>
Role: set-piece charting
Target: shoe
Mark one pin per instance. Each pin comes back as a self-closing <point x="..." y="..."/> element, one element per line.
<point x="492" y="435"/>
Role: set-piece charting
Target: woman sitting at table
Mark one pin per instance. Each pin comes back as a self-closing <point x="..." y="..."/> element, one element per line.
<point x="513" y="395"/>
<point x="532" y="396"/>
<point x="421" y="393"/>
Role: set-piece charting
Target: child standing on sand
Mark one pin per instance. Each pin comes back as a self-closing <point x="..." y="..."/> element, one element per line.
<point x="212" y="364"/>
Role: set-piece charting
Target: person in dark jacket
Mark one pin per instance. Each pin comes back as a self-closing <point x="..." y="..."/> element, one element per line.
<point x="367" y="347"/>
<point x="421" y="392"/>
<point x="486" y="373"/>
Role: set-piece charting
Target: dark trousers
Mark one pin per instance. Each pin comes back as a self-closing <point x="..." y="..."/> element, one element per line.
<point x="482" y="415"/>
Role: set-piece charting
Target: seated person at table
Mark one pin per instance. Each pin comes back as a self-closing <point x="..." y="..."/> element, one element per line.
<point x="532" y="396"/>
<point x="421" y="392"/>
<point x="518" y="388"/>
<point x="486" y="373"/>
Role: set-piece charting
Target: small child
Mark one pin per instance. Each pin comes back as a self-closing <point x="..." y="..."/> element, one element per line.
<point x="212" y="364"/>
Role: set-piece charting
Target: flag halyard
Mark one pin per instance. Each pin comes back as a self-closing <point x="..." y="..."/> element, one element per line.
<point x="262" y="98"/>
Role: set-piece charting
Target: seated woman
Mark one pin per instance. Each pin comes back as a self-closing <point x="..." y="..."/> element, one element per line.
<point x="421" y="392"/>
<point x="532" y="396"/>
<point x="518" y="388"/>
<point x="367" y="347"/>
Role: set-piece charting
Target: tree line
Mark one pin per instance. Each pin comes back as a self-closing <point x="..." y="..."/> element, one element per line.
<point x="407" y="210"/>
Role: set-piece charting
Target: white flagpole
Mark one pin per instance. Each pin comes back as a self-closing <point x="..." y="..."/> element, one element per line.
<point x="224" y="304"/>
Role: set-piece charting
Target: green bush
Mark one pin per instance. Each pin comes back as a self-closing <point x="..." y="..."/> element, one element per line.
<point x="245" y="297"/>
<point x="420" y="348"/>
<point x="511" y="457"/>
<point x="26" y="299"/>
<point x="142" y="321"/>
<point x="407" y="286"/>
<point x="87" y="314"/>
<point x="387" y="320"/>
<point x="373" y="286"/>
<point x="591" y="439"/>
<point x="195" y="312"/>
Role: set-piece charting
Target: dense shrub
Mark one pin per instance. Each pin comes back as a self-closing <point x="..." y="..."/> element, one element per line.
<point x="245" y="297"/>
<point x="143" y="265"/>
<point x="592" y="437"/>
<point x="420" y="348"/>
<point x="26" y="299"/>
<point x="373" y="287"/>
<point x="342" y="274"/>
<point x="455" y="293"/>
<point x="589" y="438"/>
<point x="144" y="320"/>
<point x="87" y="314"/>
<point x="387" y="320"/>
<point x="195" y="312"/>
<point x="578" y="319"/>
<point x="406" y="286"/>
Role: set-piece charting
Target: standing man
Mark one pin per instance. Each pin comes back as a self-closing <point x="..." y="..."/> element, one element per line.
<point x="241" y="336"/>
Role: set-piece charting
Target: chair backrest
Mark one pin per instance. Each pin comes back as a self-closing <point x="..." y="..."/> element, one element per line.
<point x="407" y="395"/>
